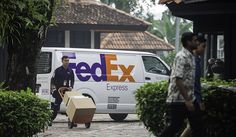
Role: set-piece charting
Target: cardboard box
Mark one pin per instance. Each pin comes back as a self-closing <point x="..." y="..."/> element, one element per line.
<point x="69" y="94"/>
<point x="80" y="109"/>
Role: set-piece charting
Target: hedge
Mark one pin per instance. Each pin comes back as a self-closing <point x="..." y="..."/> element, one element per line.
<point x="22" y="114"/>
<point x="219" y="117"/>
<point x="151" y="106"/>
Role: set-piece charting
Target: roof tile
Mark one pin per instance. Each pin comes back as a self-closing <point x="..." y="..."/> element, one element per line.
<point x="95" y="13"/>
<point x="134" y="41"/>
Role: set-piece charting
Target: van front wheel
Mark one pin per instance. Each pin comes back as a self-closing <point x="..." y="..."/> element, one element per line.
<point x="118" y="117"/>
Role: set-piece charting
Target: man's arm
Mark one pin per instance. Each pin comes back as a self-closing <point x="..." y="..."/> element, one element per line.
<point x="184" y="93"/>
<point x="55" y="79"/>
<point x="53" y="85"/>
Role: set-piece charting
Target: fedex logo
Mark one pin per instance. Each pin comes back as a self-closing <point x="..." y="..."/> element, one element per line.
<point x="84" y="72"/>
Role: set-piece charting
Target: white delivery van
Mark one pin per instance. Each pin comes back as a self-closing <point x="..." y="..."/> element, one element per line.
<point x="109" y="77"/>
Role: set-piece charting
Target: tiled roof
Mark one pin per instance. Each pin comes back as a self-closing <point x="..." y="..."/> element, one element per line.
<point x="94" y="13"/>
<point x="168" y="1"/>
<point x="134" y="41"/>
<point x="178" y="1"/>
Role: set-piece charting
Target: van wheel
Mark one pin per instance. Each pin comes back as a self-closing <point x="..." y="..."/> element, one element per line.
<point x="118" y="117"/>
<point x="89" y="97"/>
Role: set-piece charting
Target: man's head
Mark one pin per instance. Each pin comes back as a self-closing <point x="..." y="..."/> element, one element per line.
<point x="201" y="45"/>
<point x="189" y="40"/>
<point x="65" y="61"/>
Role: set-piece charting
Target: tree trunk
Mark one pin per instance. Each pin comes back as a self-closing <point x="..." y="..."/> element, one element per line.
<point x="24" y="43"/>
<point x="21" y="66"/>
<point x="177" y="22"/>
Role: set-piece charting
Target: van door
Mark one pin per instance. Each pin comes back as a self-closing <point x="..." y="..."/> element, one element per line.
<point x="155" y="69"/>
<point x="44" y="73"/>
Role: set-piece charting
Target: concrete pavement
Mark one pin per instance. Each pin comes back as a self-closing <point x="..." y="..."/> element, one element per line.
<point x="101" y="126"/>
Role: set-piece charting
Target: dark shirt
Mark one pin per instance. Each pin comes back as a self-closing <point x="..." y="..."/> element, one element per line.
<point x="63" y="77"/>
<point x="197" y="84"/>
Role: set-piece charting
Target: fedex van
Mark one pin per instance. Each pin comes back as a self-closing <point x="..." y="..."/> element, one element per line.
<point x="109" y="77"/>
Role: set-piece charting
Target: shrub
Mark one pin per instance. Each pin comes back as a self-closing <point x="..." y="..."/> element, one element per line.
<point x="219" y="117"/>
<point x="22" y="114"/>
<point x="151" y="105"/>
<point x="220" y="114"/>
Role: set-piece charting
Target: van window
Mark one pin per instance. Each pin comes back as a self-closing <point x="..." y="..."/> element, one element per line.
<point x="44" y="63"/>
<point x="154" y="65"/>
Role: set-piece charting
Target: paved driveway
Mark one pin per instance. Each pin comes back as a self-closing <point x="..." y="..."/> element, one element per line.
<point x="101" y="126"/>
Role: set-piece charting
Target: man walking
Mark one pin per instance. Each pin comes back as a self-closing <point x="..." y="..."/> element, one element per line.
<point x="181" y="100"/>
<point x="197" y="85"/>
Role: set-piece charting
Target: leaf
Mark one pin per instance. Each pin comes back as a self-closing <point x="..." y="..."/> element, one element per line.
<point x="21" y="5"/>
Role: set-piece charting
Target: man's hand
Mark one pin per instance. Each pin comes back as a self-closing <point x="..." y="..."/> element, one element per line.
<point x="189" y="105"/>
<point x="69" y="88"/>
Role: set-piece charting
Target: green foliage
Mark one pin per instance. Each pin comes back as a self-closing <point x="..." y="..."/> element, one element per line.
<point x="135" y="7"/>
<point x="23" y="26"/>
<point x="165" y="27"/>
<point x="22" y="114"/>
<point x="16" y="15"/>
<point x="169" y="58"/>
<point x="1" y="85"/>
<point x="124" y="5"/>
<point x="151" y="106"/>
<point x="219" y="82"/>
<point x="220" y="114"/>
<point x="219" y="117"/>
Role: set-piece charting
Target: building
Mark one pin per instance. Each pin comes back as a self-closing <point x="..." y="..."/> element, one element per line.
<point x="80" y="24"/>
<point x="139" y="41"/>
<point x="215" y="19"/>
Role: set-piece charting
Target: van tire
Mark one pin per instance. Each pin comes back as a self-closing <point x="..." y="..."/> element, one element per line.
<point x="118" y="117"/>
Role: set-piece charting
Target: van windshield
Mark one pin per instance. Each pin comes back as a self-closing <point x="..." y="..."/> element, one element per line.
<point x="44" y="63"/>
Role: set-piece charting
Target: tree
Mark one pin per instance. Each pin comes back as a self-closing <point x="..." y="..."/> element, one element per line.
<point x="165" y="28"/>
<point x="23" y="26"/>
<point x="124" y="5"/>
<point x="131" y="6"/>
<point x="169" y="59"/>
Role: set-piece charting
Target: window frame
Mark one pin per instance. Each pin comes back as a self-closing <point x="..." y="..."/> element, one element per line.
<point x="163" y="64"/>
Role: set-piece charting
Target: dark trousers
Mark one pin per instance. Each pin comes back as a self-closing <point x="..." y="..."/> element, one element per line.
<point x="177" y="113"/>
<point x="56" y="105"/>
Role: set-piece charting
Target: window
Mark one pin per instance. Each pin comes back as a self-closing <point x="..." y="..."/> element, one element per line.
<point x="55" y="38"/>
<point x="44" y="63"/>
<point x="80" y="39"/>
<point x="220" y="47"/>
<point x="154" y="65"/>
